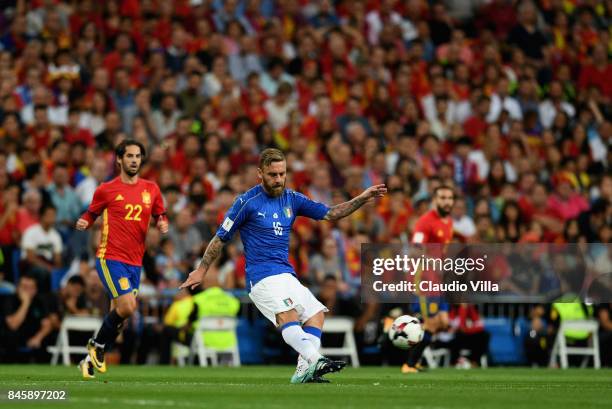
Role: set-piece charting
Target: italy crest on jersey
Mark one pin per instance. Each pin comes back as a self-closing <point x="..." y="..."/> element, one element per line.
<point x="146" y="197"/>
<point x="287" y="211"/>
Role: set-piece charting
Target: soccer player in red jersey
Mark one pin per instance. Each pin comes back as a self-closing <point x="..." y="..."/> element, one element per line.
<point x="435" y="226"/>
<point x="126" y="205"/>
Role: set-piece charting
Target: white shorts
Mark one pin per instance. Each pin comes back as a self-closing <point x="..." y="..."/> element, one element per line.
<point x="283" y="292"/>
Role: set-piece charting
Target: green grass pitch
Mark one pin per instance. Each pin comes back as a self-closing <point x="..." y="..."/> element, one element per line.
<point x="268" y="387"/>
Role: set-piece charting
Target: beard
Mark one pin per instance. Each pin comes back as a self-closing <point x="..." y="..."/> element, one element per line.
<point x="129" y="170"/>
<point x="443" y="211"/>
<point x="274" y="190"/>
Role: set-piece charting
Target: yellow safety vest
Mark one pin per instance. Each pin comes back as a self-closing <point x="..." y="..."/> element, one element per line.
<point x="572" y="311"/>
<point x="178" y="313"/>
<point x="214" y="302"/>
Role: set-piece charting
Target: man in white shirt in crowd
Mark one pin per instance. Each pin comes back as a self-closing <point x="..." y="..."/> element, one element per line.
<point x="41" y="248"/>
<point x="501" y="101"/>
<point x="86" y="188"/>
<point x="554" y="104"/>
<point x="57" y="115"/>
<point x="463" y="225"/>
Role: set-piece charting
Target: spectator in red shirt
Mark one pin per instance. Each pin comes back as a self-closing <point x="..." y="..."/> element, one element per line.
<point x="499" y="14"/>
<point x="397" y="215"/>
<point x="123" y="43"/>
<point x="469" y="334"/>
<point x="598" y="72"/>
<point x="9" y="234"/>
<point x="247" y="151"/>
<point x="565" y="200"/>
<point x="476" y="125"/>
<point x="536" y="208"/>
<point x="74" y="133"/>
<point x="187" y="150"/>
<point x="28" y="213"/>
<point x="41" y="128"/>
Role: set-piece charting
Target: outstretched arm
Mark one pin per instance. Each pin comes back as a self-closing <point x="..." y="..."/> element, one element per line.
<point x="210" y="255"/>
<point x="344" y="209"/>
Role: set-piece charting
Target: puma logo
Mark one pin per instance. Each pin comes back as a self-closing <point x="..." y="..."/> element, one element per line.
<point x="261" y="214"/>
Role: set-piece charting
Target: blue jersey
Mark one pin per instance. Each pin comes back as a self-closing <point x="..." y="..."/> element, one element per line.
<point x="265" y="223"/>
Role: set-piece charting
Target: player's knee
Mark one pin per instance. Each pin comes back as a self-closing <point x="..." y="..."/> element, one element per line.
<point x="127" y="307"/>
<point x="124" y="311"/>
<point x="316" y="320"/>
<point x="285" y="317"/>
<point x="133" y="305"/>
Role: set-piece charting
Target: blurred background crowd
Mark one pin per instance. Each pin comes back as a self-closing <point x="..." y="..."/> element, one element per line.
<point x="507" y="101"/>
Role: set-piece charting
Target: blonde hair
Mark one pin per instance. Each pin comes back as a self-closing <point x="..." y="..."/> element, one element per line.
<point x="270" y="155"/>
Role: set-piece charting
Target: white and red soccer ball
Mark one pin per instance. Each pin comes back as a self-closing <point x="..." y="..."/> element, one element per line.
<point x="406" y="332"/>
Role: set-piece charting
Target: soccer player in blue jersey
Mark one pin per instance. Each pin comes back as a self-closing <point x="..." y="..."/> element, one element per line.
<point x="264" y="216"/>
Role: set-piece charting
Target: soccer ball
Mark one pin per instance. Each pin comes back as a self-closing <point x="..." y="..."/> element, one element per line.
<point x="406" y="332"/>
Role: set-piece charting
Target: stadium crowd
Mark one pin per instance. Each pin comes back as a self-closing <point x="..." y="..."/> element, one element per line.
<point x="507" y="101"/>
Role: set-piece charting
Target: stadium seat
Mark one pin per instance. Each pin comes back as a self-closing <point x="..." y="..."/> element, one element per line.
<point x="561" y="350"/>
<point x="341" y="325"/>
<point x="198" y="346"/>
<point x="505" y="347"/>
<point x="63" y="347"/>
<point x="249" y="345"/>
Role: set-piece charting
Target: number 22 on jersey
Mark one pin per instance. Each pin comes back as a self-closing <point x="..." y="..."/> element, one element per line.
<point x="133" y="212"/>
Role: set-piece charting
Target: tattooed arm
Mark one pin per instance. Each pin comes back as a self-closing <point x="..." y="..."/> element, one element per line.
<point x="346" y="208"/>
<point x="212" y="252"/>
<point x="210" y="255"/>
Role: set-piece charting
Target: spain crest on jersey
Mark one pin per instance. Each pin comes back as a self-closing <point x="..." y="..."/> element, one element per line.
<point x="287" y="211"/>
<point x="124" y="283"/>
<point x="146" y="197"/>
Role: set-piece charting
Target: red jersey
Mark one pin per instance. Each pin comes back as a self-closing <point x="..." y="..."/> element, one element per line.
<point x="431" y="228"/>
<point x="126" y="211"/>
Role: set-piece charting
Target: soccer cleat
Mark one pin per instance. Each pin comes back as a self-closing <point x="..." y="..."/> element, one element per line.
<point x="87" y="370"/>
<point x="302" y="367"/>
<point x="325" y="365"/>
<point x="302" y="374"/>
<point x="314" y="372"/>
<point x="96" y="354"/>
<point x="421" y="368"/>
<point x="409" y="369"/>
<point x="318" y="380"/>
